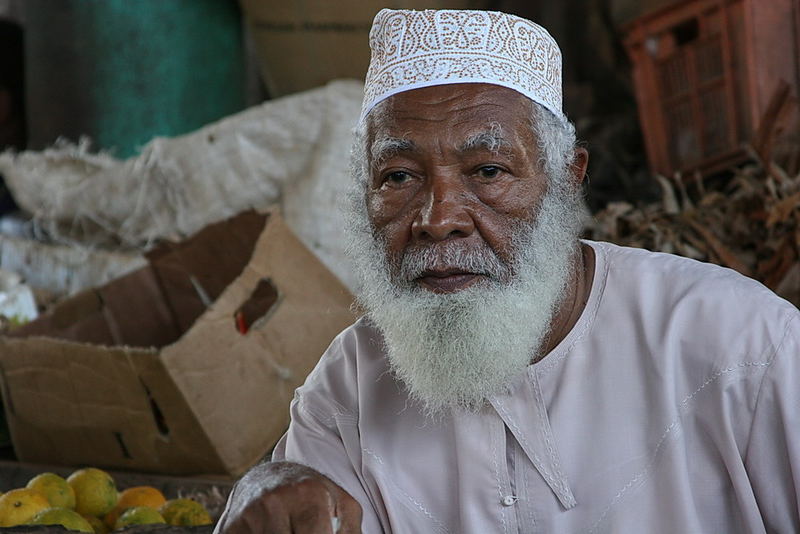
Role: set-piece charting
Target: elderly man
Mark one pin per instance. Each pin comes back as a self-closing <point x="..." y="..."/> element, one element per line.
<point x="508" y="377"/>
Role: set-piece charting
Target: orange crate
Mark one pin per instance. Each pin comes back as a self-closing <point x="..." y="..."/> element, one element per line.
<point x="704" y="71"/>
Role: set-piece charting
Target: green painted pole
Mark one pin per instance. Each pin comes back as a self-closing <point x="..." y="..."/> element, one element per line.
<point x="125" y="71"/>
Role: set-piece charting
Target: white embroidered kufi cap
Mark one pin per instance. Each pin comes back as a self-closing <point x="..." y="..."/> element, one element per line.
<point x="413" y="49"/>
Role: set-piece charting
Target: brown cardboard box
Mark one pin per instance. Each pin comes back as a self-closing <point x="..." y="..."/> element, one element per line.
<point x="306" y="43"/>
<point x="140" y="374"/>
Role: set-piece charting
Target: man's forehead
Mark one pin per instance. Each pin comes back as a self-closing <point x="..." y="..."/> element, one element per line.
<point x="461" y="98"/>
<point x="491" y="137"/>
<point x="392" y="129"/>
<point x="469" y="106"/>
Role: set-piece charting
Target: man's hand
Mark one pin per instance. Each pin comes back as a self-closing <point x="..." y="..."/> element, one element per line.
<point x="284" y="498"/>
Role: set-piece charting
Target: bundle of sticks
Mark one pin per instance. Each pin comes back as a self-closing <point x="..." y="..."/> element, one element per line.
<point x="749" y="222"/>
<point x="747" y="219"/>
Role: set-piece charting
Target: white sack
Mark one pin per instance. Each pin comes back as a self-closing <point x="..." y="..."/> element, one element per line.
<point x="16" y="299"/>
<point x="64" y="270"/>
<point x="294" y="150"/>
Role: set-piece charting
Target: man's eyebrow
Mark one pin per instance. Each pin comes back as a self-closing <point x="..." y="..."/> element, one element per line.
<point x="491" y="139"/>
<point x="386" y="147"/>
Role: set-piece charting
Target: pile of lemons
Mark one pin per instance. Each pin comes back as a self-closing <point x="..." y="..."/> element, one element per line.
<point x="88" y="501"/>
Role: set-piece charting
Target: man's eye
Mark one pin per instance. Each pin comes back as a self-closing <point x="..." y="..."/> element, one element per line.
<point x="489" y="171"/>
<point x="397" y="178"/>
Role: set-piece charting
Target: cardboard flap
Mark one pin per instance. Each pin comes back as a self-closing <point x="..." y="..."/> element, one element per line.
<point x="80" y="317"/>
<point x="79" y="404"/>
<point x="153" y="306"/>
<point x="194" y="273"/>
<point x="240" y="384"/>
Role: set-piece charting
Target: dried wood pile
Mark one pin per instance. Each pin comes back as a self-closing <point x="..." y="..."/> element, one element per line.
<point x="747" y="219"/>
<point x="749" y="222"/>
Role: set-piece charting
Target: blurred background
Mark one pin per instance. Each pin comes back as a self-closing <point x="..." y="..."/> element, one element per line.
<point x="125" y="125"/>
<point x="121" y="73"/>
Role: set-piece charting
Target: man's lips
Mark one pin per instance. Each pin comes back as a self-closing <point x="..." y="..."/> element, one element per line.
<point x="447" y="280"/>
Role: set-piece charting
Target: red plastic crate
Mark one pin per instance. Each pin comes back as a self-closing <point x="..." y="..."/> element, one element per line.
<point x="704" y="72"/>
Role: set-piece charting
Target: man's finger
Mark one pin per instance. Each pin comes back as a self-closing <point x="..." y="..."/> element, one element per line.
<point x="348" y="511"/>
<point x="313" y="516"/>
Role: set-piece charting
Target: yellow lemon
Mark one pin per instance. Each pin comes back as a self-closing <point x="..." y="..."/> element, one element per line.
<point x="185" y="513"/>
<point x="69" y="519"/>
<point x="135" y="496"/>
<point x="95" y="491"/>
<point x="54" y="488"/>
<point x="20" y="505"/>
<point x="97" y="524"/>
<point x="139" y="515"/>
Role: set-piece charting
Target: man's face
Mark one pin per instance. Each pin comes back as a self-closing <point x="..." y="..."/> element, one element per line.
<point x="463" y="246"/>
<point x="452" y="164"/>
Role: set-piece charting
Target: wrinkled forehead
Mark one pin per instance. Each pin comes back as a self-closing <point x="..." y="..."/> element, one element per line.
<point x="456" y="116"/>
<point x="435" y="101"/>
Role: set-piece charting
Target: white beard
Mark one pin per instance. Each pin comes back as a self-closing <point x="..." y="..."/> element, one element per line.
<point x="455" y="350"/>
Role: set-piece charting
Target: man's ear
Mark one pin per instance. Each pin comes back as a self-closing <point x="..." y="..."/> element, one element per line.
<point x="580" y="164"/>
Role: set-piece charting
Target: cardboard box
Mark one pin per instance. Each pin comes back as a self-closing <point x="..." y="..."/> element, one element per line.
<point x="186" y="366"/>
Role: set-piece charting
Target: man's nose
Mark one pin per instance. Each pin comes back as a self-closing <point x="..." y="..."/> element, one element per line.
<point x="443" y="213"/>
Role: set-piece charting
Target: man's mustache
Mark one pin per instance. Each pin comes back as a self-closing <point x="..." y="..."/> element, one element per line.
<point x="451" y="255"/>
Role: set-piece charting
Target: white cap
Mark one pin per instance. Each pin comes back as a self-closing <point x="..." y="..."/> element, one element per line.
<point x="413" y="49"/>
